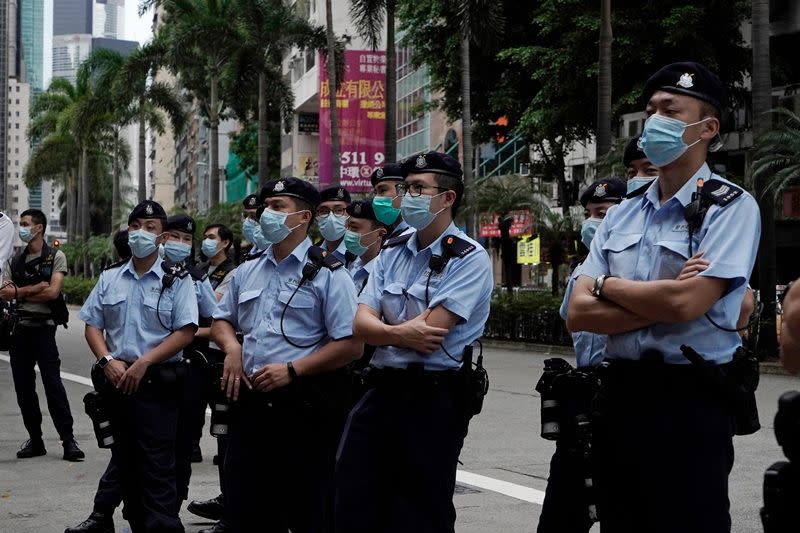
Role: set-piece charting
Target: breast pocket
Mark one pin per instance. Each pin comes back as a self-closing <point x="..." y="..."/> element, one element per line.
<point x="114" y="306"/>
<point x="672" y="255"/>
<point x="157" y="309"/>
<point x="422" y="293"/>
<point x="621" y="253"/>
<point x="248" y="310"/>
<point x="393" y="303"/>
<point x="299" y="318"/>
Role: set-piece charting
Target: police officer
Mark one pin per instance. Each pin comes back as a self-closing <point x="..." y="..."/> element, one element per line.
<point x="139" y="317"/>
<point x="639" y="170"/>
<point x="386" y="202"/>
<point x="250" y="227"/>
<point x="363" y="238"/>
<point x="332" y="219"/>
<point x="427" y="298"/>
<point x="294" y="305"/>
<point x="790" y="329"/>
<point x="665" y="446"/>
<point x="565" y="507"/>
<point x="38" y="272"/>
<point x="6" y="241"/>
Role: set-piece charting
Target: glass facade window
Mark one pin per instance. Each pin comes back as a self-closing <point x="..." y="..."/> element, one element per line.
<point x="413" y="91"/>
<point x="32" y="31"/>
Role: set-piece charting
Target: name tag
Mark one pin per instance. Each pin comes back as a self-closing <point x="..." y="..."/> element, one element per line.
<point x="681" y="227"/>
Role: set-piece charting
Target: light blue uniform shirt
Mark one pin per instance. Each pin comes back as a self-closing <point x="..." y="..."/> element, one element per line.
<point x="360" y="272"/>
<point x="590" y="348"/>
<point x="206" y="298"/>
<point x="339" y="252"/>
<point x="642" y="240"/>
<point x="396" y="289"/>
<point x="321" y="311"/>
<point x="124" y="305"/>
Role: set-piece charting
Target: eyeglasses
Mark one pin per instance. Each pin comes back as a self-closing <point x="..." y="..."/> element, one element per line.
<point x="324" y="211"/>
<point x="414" y="189"/>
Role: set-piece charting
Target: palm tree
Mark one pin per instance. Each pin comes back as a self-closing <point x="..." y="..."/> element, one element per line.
<point x="368" y="17"/>
<point x="604" y="81"/>
<point x="777" y="158"/>
<point x="330" y="64"/>
<point x="199" y="38"/>
<point x="762" y="99"/>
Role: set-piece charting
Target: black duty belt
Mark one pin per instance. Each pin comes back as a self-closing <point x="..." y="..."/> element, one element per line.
<point x="410" y="377"/>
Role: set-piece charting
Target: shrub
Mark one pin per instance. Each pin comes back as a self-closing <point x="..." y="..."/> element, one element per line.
<point x="527" y="316"/>
<point x="77" y="289"/>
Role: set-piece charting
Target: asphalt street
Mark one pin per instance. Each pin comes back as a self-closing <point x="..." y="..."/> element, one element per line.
<point x="501" y="481"/>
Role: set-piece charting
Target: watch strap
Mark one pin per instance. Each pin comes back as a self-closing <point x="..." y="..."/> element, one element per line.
<point x="292" y="371"/>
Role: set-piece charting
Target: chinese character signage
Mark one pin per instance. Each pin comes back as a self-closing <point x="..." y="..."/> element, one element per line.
<point x="361" y="109"/>
<point x="529" y="251"/>
<point x="489" y="224"/>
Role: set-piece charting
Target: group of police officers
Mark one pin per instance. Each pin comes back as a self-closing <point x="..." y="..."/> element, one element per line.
<point x="347" y="368"/>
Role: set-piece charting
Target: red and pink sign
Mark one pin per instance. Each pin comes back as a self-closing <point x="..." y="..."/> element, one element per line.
<point x="361" y="110"/>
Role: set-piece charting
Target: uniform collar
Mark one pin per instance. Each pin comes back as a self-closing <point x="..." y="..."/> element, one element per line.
<point x="684" y="194"/>
<point x="341" y="249"/>
<point x="155" y="268"/>
<point x="300" y="251"/>
<point x="436" y="246"/>
<point x="367" y="267"/>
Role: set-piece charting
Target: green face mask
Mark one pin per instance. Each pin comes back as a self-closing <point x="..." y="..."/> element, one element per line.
<point x="384" y="210"/>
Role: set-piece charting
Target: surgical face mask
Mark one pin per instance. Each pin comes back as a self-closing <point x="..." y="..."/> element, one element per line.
<point x="142" y="243"/>
<point x="352" y="242"/>
<point x="384" y="210"/>
<point x="259" y="242"/>
<point x="588" y="229"/>
<point x="662" y="139"/>
<point x="209" y="248"/>
<point x="25" y="234"/>
<point x="248" y="228"/>
<point x="273" y="225"/>
<point x="332" y="227"/>
<point x="177" y="251"/>
<point x="636" y="183"/>
<point x="416" y="210"/>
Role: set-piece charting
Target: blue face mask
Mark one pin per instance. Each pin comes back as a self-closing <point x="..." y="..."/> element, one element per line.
<point x="273" y="225"/>
<point x="209" y="248"/>
<point x="636" y="183"/>
<point x="332" y="227"/>
<point x="416" y="210"/>
<point x="588" y="229"/>
<point x="352" y="241"/>
<point x="248" y="227"/>
<point x="177" y="251"/>
<point x="259" y="242"/>
<point x="25" y="234"/>
<point x="662" y="139"/>
<point x="142" y="243"/>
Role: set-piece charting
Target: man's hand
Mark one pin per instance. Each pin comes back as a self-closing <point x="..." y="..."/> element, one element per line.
<point x="114" y="371"/>
<point x="129" y="382"/>
<point x="694" y="266"/>
<point x="233" y="374"/>
<point x="421" y="337"/>
<point x="271" y="377"/>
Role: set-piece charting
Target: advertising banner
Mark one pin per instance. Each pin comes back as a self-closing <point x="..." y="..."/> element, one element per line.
<point x="361" y="110"/>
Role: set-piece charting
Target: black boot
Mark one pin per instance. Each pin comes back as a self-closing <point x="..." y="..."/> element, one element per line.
<point x="220" y="527"/>
<point x="212" y="509"/>
<point x="31" y="448"/>
<point x="72" y="452"/>
<point x="96" y="523"/>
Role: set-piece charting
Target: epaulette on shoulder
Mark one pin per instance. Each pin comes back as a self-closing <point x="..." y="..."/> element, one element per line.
<point x="118" y="264"/>
<point x="197" y="273"/>
<point x="174" y="269"/>
<point x="397" y="241"/>
<point x="326" y="259"/>
<point x="720" y="193"/>
<point x="250" y="257"/>
<point x="457" y="246"/>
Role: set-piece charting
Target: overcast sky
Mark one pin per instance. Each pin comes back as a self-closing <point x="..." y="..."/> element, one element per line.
<point x="137" y="28"/>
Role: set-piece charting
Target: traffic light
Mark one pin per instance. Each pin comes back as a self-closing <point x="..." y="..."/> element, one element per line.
<point x="501" y="130"/>
<point x="56" y="243"/>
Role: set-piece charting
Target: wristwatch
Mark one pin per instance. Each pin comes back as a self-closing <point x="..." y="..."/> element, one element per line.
<point x="599" y="281"/>
<point x="292" y="371"/>
<point x="103" y="361"/>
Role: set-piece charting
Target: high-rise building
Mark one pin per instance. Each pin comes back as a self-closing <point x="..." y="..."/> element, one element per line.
<point x="72" y="17"/>
<point x="108" y="18"/>
<point x="34" y="43"/>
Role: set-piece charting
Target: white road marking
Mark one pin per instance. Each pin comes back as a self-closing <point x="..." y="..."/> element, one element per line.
<point x="519" y="492"/>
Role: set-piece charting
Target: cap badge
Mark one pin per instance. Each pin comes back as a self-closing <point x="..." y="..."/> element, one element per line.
<point x="600" y="190"/>
<point x="379" y="173"/>
<point x="148" y="209"/>
<point x="686" y="81"/>
<point x="340" y="193"/>
<point x="421" y="161"/>
<point x="251" y="201"/>
<point x="279" y="186"/>
<point x="189" y="226"/>
<point x="357" y="209"/>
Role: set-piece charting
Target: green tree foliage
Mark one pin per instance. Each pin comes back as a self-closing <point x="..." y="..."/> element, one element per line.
<point x="244" y="143"/>
<point x="777" y="157"/>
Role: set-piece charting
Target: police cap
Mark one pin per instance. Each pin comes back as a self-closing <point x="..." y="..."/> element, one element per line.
<point x="334" y="194"/>
<point x="250" y="201"/>
<point x="608" y="190"/>
<point x="362" y="209"/>
<point x="434" y="162"/>
<point x="390" y="171"/>
<point x="688" y="78"/>
<point x="632" y="151"/>
<point x="294" y="187"/>
<point x="181" y="222"/>
<point x="147" y="209"/>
